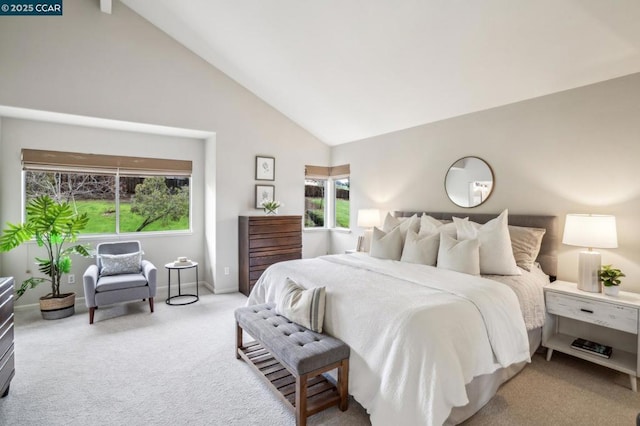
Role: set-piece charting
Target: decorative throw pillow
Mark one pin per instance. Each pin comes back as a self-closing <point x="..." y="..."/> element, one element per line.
<point x="302" y="306"/>
<point x="428" y="222"/>
<point x="422" y="250"/>
<point x="431" y="226"/>
<point x="116" y="264"/>
<point x="403" y="224"/>
<point x="461" y="256"/>
<point x="386" y="245"/>
<point x="496" y="256"/>
<point x="525" y="243"/>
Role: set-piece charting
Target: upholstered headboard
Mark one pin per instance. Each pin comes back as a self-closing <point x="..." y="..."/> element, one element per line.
<point x="548" y="257"/>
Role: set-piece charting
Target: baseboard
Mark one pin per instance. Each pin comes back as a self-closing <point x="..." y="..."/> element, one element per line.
<point x="161" y="292"/>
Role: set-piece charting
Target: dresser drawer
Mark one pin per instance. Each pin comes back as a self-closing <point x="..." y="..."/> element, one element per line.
<point x="595" y="312"/>
<point x="6" y="307"/>
<point x="6" y="336"/>
<point x="7" y="368"/>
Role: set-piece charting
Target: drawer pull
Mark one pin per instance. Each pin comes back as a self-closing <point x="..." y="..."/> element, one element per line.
<point x="586" y="310"/>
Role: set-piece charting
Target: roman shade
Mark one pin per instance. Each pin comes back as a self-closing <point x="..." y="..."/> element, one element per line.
<point x="323" y="172"/>
<point x="43" y="160"/>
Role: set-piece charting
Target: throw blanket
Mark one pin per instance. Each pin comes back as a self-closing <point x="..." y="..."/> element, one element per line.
<point x="417" y="334"/>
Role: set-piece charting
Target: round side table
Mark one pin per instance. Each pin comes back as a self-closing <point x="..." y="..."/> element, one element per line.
<point x="190" y="298"/>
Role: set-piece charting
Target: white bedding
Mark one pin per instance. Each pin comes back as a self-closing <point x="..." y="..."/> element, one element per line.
<point x="399" y="319"/>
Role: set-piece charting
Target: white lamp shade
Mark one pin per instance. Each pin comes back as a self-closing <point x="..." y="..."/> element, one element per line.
<point x="591" y="231"/>
<point x="368" y="218"/>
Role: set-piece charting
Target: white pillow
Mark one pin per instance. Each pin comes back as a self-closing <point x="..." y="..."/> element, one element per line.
<point x="427" y="222"/>
<point x="404" y="224"/>
<point x="422" y="250"/>
<point x="496" y="255"/>
<point x="431" y="226"/>
<point x="386" y="245"/>
<point x="461" y="256"/>
<point x="304" y="307"/>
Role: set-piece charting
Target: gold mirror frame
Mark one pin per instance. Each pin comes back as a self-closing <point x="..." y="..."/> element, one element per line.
<point x="469" y="182"/>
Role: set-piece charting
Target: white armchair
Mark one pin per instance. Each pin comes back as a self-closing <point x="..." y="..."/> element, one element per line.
<point x="119" y="275"/>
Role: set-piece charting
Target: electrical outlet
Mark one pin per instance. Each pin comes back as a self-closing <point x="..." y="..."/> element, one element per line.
<point x="226" y="270"/>
<point x="71" y="279"/>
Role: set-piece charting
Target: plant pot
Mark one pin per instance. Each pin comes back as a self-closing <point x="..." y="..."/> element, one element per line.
<point x="611" y="290"/>
<point x="53" y="308"/>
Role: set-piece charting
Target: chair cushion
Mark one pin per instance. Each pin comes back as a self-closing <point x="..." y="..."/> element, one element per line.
<point x="299" y="349"/>
<point x="118" y="282"/>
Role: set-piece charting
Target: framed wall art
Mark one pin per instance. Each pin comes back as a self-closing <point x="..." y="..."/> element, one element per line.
<point x="265" y="168"/>
<point x="264" y="193"/>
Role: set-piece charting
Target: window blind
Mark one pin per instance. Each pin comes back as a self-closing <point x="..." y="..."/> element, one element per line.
<point x="36" y="159"/>
<point x="323" y="172"/>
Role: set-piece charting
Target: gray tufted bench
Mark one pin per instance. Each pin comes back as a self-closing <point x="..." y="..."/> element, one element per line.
<point x="292" y="359"/>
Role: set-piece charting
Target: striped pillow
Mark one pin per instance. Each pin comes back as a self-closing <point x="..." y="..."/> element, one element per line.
<point x="304" y="307"/>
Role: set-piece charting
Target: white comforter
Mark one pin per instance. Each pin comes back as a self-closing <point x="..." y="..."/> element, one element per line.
<point x="417" y="334"/>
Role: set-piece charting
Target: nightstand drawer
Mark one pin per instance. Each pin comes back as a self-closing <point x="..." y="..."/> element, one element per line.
<point x="602" y="313"/>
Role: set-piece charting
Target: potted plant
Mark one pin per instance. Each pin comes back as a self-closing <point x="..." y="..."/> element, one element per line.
<point x="610" y="278"/>
<point x="271" y="206"/>
<point x="52" y="224"/>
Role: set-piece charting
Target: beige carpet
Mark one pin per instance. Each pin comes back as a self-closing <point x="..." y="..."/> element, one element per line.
<point x="177" y="367"/>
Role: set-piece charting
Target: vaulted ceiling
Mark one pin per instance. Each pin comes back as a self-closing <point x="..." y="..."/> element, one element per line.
<point x="351" y="69"/>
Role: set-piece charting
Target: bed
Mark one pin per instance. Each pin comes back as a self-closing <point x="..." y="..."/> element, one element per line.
<point x="428" y="346"/>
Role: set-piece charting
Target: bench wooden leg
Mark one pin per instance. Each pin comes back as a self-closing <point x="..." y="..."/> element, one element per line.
<point x="91" y="313"/>
<point x="151" y="304"/>
<point x="301" y="400"/>
<point x="343" y="384"/>
<point x="238" y="339"/>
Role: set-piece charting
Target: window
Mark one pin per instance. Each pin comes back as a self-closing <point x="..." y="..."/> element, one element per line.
<point x="341" y="206"/>
<point x="326" y="193"/>
<point x="314" y="203"/>
<point x="154" y="198"/>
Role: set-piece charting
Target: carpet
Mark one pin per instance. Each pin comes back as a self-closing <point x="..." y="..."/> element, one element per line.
<point x="177" y="366"/>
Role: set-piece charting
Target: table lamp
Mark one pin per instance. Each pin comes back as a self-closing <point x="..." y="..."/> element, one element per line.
<point x="367" y="218"/>
<point x="590" y="231"/>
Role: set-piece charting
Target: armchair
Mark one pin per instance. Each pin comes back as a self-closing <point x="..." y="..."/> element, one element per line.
<point x="119" y="275"/>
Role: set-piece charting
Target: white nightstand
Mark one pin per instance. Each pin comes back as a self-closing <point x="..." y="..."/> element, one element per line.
<point x="612" y="321"/>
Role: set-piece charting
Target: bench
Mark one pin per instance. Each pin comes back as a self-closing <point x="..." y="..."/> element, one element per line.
<point x="292" y="360"/>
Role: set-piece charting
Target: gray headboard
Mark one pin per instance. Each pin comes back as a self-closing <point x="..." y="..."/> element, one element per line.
<point x="548" y="257"/>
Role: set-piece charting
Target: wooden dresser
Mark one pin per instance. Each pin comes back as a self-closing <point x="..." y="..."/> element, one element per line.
<point x="263" y="241"/>
<point x="7" y="369"/>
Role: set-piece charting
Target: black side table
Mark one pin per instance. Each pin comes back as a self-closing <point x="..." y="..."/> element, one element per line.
<point x="195" y="297"/>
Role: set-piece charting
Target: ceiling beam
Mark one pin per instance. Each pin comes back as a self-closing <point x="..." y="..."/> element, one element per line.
<point x="105" y="6"/>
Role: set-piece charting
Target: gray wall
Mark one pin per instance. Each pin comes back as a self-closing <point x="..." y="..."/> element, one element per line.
<point x="571" y="152"/>
<point x="121" y="67"/>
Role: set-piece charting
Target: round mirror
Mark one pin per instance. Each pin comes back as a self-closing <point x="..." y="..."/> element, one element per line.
<point x="469" y="182"/>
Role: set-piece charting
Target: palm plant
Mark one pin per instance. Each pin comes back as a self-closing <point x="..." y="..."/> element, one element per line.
<point x="52" y="224"/>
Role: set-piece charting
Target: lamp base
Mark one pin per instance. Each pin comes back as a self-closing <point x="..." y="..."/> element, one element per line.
<point x="589" y="263"/>
<point x="366" y="240"/>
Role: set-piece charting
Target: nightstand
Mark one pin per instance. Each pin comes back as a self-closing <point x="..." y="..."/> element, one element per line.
<point x="612" y="321"/>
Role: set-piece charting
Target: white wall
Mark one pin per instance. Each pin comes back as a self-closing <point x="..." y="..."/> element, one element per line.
<point x="120" y="67"/>
<point x="572" y="152"/>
